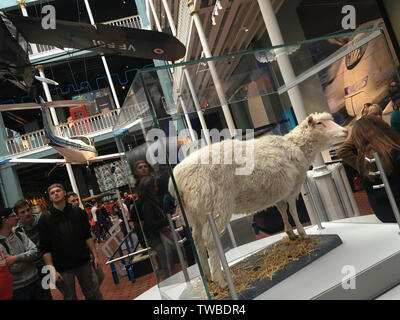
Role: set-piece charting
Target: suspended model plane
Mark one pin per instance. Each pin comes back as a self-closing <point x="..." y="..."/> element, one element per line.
<point x="16" y="31"/>
<point x="75" y="150"/>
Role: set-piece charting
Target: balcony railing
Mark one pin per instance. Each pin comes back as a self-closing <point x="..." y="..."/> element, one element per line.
<point x="26" y="142"/>
<point x="127" y="22"/>
<point x="91" y="126"/>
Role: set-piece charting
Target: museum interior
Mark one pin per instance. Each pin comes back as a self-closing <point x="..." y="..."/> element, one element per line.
<point x="278" y="90"/>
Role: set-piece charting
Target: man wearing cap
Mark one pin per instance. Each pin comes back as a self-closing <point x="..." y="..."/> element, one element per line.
<point x="20" y="254"/>
<point x="65" y="241"/>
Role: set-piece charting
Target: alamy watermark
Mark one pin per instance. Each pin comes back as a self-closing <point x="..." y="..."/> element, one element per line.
<point x="49" y="20"/>
<point x="238" y="152"/>
<point x="349" y="280"/>
<point x="349" y="20"/>
<point x="49" y="280"/>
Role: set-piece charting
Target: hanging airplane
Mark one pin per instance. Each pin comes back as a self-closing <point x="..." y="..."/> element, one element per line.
<point x="16" y="31"/>
<point x="75" y="150"/>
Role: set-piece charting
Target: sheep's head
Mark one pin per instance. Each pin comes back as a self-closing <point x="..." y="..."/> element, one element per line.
<point x="322" y="127"/>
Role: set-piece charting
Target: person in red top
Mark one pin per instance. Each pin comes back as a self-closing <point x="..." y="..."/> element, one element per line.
<point x="6" y="288"/>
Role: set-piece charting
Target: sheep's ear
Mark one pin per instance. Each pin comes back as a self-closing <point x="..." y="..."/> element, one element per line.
<point x="310" y="121"/>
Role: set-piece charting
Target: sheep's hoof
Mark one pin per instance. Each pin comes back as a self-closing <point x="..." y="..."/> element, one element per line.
<point x="304" y="236"/>
<point x="292" y="236"/>
<point x="220" y="280"/>
<point x="222" y="285"/>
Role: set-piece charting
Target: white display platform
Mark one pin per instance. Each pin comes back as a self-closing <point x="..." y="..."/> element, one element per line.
<point x="393" y="294"/>
<point x="371" y="250"/>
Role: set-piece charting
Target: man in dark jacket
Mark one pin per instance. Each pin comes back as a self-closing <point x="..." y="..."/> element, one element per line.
<point x="65" y="241"/>
<point x="103" y="221"/>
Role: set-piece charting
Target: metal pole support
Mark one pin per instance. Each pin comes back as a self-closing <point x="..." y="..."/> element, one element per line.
<point x="222" y="257"/>
<point x="114" y="273"/>
<point x="386" y="185"/>
<point x="178" y="249"/>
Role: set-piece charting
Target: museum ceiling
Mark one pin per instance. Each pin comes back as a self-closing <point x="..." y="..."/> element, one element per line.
<point x="238" y="24"/>
<point x="76" y="70"/>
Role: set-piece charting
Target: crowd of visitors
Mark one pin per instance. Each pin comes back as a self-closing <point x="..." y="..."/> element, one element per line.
<point x="54" y="249"/>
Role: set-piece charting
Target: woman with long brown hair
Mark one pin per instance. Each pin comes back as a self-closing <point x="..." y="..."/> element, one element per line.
<point x="369" y="135"/>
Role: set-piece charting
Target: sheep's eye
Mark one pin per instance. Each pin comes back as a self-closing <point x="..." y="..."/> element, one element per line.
<point x="319" y="123"/>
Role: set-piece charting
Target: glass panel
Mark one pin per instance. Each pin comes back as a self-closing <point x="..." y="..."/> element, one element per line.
<point x="171" y="249"/>
<point x="178" y="104"/>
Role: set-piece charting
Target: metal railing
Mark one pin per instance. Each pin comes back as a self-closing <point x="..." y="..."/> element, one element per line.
<point x="26" y="142"/>
<point x="127" y="22"/>
<point x="117" y="259"/>
<point x="41" y="48"/>
<point x="89" y="126"/>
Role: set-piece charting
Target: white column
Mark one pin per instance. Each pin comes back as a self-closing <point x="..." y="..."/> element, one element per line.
<point x="103" y="58"/>
<point x="22" y="6"/>
<point x="148" y="15"/>
<point x="321" y="174"/>
<point x="213" y="70"/>
<point x="197" y="106"/>
<point x="190" y="83"/>
<point x="285" y="65"/>
<point x="169" y="17"/>
<point x="72" y="180"/>
<point x="153" y="10"/>
<point x="192" y="133"/>
<point x="48" y="95"/>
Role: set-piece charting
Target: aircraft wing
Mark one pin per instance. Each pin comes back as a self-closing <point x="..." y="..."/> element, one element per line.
<point x="101" y="38"/>
<point x="54" y="104"/>
<point x="30" y="160"/>
<point x="106" y="157"/>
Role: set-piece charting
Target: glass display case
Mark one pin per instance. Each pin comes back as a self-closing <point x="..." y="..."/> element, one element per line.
<point x="171" y="111"/>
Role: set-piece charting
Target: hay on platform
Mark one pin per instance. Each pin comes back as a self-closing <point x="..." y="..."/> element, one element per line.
<point x="268" y="262"/>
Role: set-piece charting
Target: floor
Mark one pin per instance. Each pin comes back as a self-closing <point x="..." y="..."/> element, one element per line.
<point x="126" y="290"/>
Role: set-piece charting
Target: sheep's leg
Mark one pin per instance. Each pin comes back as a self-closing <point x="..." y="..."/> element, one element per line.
<point x="282" y="206"/>
<point x="201" y="251"/>
<point x="295" y="216"/>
